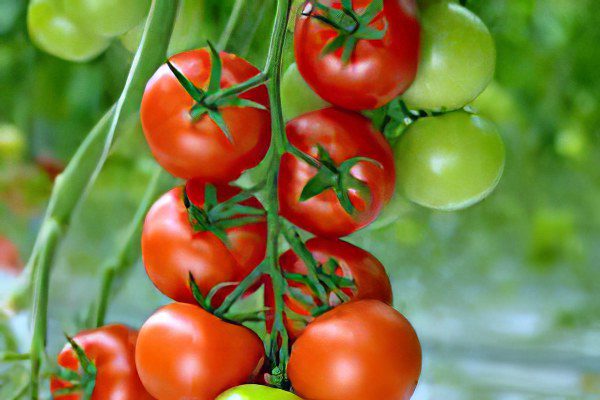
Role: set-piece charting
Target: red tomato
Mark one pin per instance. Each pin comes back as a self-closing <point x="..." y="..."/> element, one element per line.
<point x="344" y="135"/>
<point x="10" y="261"/>
<point x="171" y="249"/>
<point x="200" y="149"/>
<point x="111" y="349"/>
<point x="378" y="70"/>
<point x="362" y="350"/>
<point x="370" y="279"/>
<point x="184" y="352"/>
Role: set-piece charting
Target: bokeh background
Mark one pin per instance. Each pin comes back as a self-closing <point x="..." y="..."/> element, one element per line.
<point x="505" y="295"/>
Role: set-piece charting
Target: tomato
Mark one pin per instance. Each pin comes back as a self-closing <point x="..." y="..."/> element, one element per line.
<point x="297" y="97"/>
<point x="12" y="144"/>
<point x="111" y="349"/>
<point x="344" y="135"/>
<point x="106" y="17"/>
<point x="256" y="392"/>
<point x="184" y="352"/>
<point x="363" y="350"/>
<point x="458" y="59"/>
<point x="171" y="248"/>
<point x="450" y="161"/>
<point x="52" y="31"/>
<point x="370" y="279"/>
<point x="378" y="70"/>
<point x="10" y="260"/>
<point x="200" y="149"/>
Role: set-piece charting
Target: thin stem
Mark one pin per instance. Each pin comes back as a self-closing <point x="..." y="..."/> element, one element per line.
<point x="10" y="356"/>
<point x="292" y="237"/>
<point x="130" y="250"/>
<point x="273" y="70"/>
<point x="231" y="23"/>
<point x="249" y="281"/>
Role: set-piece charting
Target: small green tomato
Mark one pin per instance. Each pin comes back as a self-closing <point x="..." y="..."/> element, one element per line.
<point x="106" y="18"/>
<point x="297" y="97"/>
<point x="449" y="162"/>
<point x="256" y="392"/>
<point x="458" y="59"/>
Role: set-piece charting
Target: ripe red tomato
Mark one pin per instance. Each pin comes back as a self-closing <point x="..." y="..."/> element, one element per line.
<point x="184" y="352"/>
<point x="378" y="70"/>
<point x="10" y="261"/>
<point x="344" y="135"/>
<point x="362" y="350"/>
<point x="200" y="149"/>
<point x="370" y="279"/>
<point x="111" y="349"/>
<point x="171" y="249"/>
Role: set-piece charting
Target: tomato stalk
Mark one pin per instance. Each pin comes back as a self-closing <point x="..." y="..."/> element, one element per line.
<point x="72" y="185"/>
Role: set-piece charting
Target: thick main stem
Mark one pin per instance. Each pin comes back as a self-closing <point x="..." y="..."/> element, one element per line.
<point x="279" y="336"/>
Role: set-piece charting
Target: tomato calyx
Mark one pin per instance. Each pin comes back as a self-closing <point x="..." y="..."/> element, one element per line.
<point x="350" y="25"/>
<point x="213" y="99"/>
<point x="339" y="178"/>
<point x="217" y="217"/>
<point x="83" y="382"/>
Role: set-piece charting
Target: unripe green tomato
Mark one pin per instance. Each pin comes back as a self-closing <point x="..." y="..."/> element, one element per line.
<point x="458" y="59"/>
<point x="449" y="162"/>
<point x="257" y="392"/>
<point x="12" y="144"/>
<point x="297" y="97"/>
<point x="52" y="31"/>
<point x="106" y="18"/>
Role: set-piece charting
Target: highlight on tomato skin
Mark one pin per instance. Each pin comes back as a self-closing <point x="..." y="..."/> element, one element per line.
<point x="370" y="280"/>
<point x="362" y="350"/>
<point x="344" y="135"/>
<point x="172" y="248"/>
<point x="377" y="71"/>
<point x="184" y="351"/>
<point x="111" y="349"/>
<point x="189" y="148"/>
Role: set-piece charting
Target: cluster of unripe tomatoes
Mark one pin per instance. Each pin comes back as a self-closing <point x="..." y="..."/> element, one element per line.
<point x="207" y="119"/>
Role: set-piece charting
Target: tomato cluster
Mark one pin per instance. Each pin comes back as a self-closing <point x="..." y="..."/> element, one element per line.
<point x="207" y="115"/>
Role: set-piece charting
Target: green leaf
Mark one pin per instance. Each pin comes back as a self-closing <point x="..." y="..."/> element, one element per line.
<point x="196" y="93"/>
<point x="217" y="118"/>
<point x="216" y="69"/>
<point x="322" y="181"/>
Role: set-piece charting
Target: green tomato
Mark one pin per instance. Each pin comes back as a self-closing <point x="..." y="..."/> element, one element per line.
<point x="12" y="144"/>
<point x="458" y="59"/>
<point x="449" y="162"/>
<point x="256" y="392"/>
<point x="106" y="18"/>
<point x="52" y="31"/>
<point x="297" y="97"/>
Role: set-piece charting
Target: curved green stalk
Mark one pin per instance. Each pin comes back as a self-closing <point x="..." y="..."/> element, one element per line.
<point x="72" y="185"/>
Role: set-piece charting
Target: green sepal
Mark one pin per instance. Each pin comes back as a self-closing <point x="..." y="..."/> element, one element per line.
<point x="218" y="119"/>
<point x="87" y="380"/>
<point x="239" y="102"/>
<point x="323" y="180"/>
<point x="196" y="93"/>
<point x="216" y="69"/>
<point x="198" y="296"/>
<point x="210" y="196"/>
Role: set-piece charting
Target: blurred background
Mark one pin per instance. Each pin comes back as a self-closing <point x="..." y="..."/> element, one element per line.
<point x="504" y="295"/>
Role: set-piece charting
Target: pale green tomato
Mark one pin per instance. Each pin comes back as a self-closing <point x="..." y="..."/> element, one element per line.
<point x="458" y="59"/>
<point x="187" y="32"/>
<point x="12" y="144"/>
<point x="497" y="104"/>
<point x="52" y="31"/>
<point x="449" y="162"/>
<point x="256" y="392"/>
<point x="106" y="18"/>
<point x="297" y="97"/>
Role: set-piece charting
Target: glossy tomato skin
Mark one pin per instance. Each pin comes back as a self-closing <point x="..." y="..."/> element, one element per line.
<point x="344" y="135"/>
<point x="189" y="149"/>
<point x="362" y="350"/>
<point x="257" y="392"/>
<point x="112" y="350"/>
<point x="370" y="279"/>
<point x="184" y="352"/>
<point x="377" y="72"/>
<point x="171" y="249"/>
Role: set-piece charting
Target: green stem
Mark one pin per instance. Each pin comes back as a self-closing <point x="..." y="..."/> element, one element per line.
<point x="240" y="289"/>
<point x="231" y="23"/>
<point x="10" y="356"/>
<point x="279" y="334"/>
<point x="130" y="250"/>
